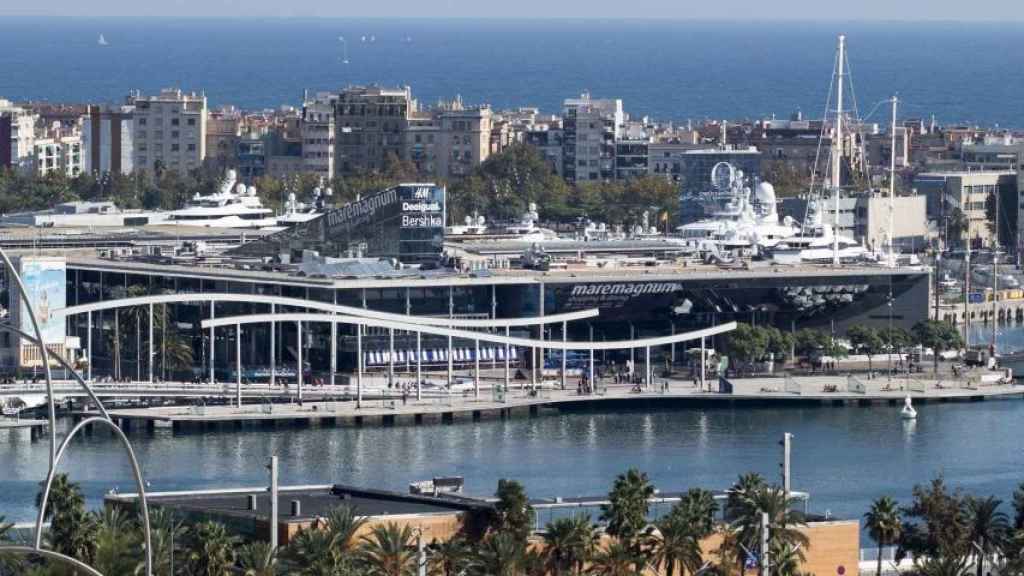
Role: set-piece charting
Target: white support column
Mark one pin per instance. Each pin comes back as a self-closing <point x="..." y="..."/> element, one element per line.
<point x="273" y="503"/>
<point x="476" y="371"/>
<point x="632" y="353"/>
<point x="647" y="367"/>
<point x="451" y="353"/>
<point x="213" y="345"/>
<point x="593" y="382"/>
<point x="419" y="365"/>
<point x="238" y="366"/>
<point x="273" y="347"/>
<point x="88" y="344"/>
<point x="359" y="367"/>
<point x="150" y="362"/>
<point x="703" y="364"/>
<point x="298" y="348"/>
<point x="508" y="361"/>
<point x="565" y="352"/>
<point x="391" y="357"/>
<point x="334" y="351"/>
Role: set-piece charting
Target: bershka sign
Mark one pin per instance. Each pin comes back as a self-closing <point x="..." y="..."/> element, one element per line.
<point x="616" y="294"/>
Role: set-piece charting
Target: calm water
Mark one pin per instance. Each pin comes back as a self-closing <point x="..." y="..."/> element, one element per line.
<point x="670" y="70"/>
<point x="843" y="456"/>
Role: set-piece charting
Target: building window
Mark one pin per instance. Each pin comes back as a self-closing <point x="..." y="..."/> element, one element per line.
<point x="175" y="121"/>
<point x="191" y="147"/>
<point x="142" y="121"/>
<point x="191" y="121"/>
<point x="174" y="147"/>
<point x="175" y="134"/>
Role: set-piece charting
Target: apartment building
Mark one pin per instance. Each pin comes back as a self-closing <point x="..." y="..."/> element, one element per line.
<point x="107" y="143"/>
<point x="464" y="138"/>
<point x="58" y="150"/>
<point x="17" y="136"/>
<point x="370" y="125"/>
<point x="319" y="134"/>
<point x="169" y="130"/>
<point x="590" y="129"/>
<point x="223" y="134"/>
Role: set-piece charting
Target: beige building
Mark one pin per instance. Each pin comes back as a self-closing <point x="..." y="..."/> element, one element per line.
<point x="223" y="133"/>
<point x="968" y="192"/>
<point x="464" y="138"/>
<point x="169" y="130"/>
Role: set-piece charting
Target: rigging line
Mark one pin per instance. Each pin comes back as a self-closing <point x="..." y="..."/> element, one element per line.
<point x="821" y="138"/>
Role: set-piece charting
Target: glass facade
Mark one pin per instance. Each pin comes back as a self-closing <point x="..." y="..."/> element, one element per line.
<point x="405" y="222"/>
<point x="627" y="308"/>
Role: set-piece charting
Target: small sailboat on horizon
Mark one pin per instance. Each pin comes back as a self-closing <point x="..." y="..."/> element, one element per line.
<point x="102" y="41"/>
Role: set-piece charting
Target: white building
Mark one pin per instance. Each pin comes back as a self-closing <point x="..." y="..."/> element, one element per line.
<point x="318" y="134"/>
<point x="17" y="136"/>
<point x="590" y="129"/>
<point x="169" y="130"/>
<point x="107" y="142"/>
<point x="58" y="150"/>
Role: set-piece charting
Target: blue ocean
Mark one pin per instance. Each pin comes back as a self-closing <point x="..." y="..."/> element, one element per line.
<point x="669" y="70"/>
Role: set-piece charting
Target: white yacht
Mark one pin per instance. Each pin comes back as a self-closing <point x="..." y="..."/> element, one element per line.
<point x="235" y="205"/>
<point x="741" y="219"/>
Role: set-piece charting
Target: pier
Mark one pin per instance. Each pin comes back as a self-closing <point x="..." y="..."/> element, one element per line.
<point x="836" y="391"/>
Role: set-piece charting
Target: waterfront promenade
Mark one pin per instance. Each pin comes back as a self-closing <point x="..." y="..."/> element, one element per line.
<point x="323" y="408"/>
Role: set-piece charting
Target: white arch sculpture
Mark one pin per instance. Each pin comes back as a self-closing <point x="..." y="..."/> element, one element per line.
<point x="273" y="301"/>
<point x="645" y="343"/>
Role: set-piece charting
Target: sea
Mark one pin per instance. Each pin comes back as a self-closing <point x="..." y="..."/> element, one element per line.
<point x="665" y="69"/>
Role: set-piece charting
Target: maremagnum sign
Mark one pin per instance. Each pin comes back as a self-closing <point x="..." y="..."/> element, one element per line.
<point x="612" y="295"/>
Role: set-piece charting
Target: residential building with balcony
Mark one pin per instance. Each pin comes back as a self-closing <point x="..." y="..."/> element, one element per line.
<point x="169" y="130"/>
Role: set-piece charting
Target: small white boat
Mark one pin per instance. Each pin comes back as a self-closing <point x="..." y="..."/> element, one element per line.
<point x="102" y="41"/>
<point x="908" y="412"/>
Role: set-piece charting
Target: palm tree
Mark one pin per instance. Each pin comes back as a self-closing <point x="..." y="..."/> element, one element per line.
<point x="343" y="523"/>
<point x="786" y="560"/>
<point x="500" y="554"/>
<point x="884" y="525"/>
<point x="211" y="549"/>
<point x="451" y="557"/>
<point x="72" y="529"/>
<point x="5" y="527"/>
<point x="534" y="563"/>
<point x="569" y="543"/>
<point x="989" y="528"/>
<point x="167" y="534"/>
<point x="741" y="492"/>
<point x="782" y="520"/>
<point x="388" y="551"/>
<point x="615" y="560"/>
<point x="116" y="542"/>
<point x="698" y="507"/>
<point x="257" y="559"/>
<point x="314" y="552"/>
<point x="512" y="511"/>
<point x="675" y="543"/>
<point x="626" y="512"/>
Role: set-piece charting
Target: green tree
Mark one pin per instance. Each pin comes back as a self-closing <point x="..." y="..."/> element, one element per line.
<point x="72" y="529"/>
<point x="314" y="552"/>
<point x="936" y="530"/>
<point x="866" y="340"/>
<point x="746" y="343"/>
<point x="451" y="557"/>
<point x="883" y="524"/>
<point x="675" y="543"/>
<point x="989" y="529"/>
<point x="569" y="543"/>
<point x="388" y="551"/>
<point x="500" y="554"/>
<point x="210" y="550"/>
<point x="257" y="559"/>
<point x="897" y="339"/>
<point x="118" y="546"/>
<point x="783" y="520"/>
<point x="939" y="336"/>
<point x="512" y="512"/>
<point x="617" y="559"/>
<point x="342" y="524"/>
<point x="168" y="536"/>
<point x="627" y="509"/>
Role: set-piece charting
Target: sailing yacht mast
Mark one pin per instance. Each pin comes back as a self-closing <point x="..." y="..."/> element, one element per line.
<point x="837" y="149"/>
<point x="892" y="188"/>
<point x="995" y="275"/>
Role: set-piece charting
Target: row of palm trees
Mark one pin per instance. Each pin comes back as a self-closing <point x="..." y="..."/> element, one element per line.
<point x="949" y="533"/>
<point x="624" y="541"/>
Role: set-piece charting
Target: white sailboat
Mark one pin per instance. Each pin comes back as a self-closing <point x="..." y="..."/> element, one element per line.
<point x="102" y="41"/>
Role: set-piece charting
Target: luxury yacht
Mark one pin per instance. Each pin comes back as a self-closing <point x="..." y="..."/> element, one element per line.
<point x="235" y="205"/>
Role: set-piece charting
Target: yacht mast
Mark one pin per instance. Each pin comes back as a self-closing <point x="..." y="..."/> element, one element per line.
<point x="892" y="189"/>
<point x="995" y="274"/>
<point x="837" y="149"/>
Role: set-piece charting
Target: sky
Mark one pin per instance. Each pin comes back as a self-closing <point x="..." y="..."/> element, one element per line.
<point x="955" y="10"/>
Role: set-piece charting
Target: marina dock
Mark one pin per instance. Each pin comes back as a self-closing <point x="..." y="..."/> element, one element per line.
<point x="836" y="391"/>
